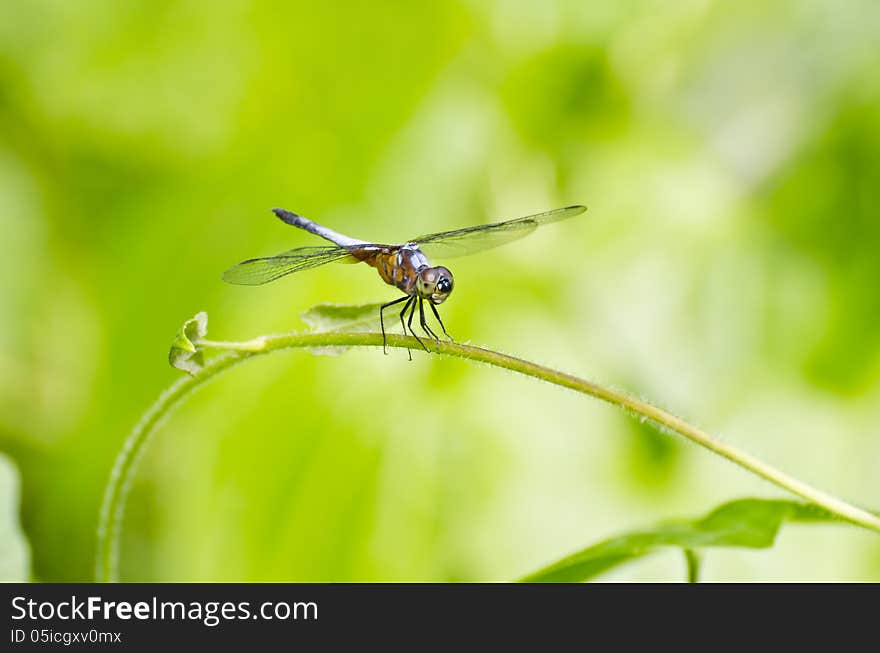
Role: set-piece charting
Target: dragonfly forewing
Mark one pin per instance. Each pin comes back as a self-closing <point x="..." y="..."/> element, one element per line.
<point x="461" y="242"/>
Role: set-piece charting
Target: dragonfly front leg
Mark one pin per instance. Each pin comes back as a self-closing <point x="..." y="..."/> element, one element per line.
<point x="437" y="315"/>
<point x="412" y="313"/>
<point x="382" y="321"/>
<point x="425" y="326"/>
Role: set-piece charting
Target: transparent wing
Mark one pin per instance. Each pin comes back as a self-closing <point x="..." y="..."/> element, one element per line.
<point x="469" y="240"/>
<point x="257" y="271"/>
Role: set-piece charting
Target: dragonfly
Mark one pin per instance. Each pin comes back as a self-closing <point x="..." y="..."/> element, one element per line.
<point x="404" y="266"/>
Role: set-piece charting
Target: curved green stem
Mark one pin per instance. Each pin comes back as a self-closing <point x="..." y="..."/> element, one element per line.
<point x="234" y="352"/>
<point x="119" y="485"/>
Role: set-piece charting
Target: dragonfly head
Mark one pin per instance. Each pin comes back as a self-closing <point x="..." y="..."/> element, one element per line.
<point x="434" y="284"/>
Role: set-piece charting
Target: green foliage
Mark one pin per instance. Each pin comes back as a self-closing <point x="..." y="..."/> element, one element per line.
<point x="184" y="355"/>
<point x="836" y="224"/>
<point x="729" y="154"/>
<point x="352" y="318"/>
<point x="744" y="523"/>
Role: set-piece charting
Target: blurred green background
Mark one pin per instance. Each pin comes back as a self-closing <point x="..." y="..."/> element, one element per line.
<point x="728" y="270"/>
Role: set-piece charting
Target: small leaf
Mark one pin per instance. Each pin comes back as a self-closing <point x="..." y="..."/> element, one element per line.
<point x="349" y="318"/>
<point x="749" y="523"/>
<point x="14" y="550"/>
<point x="184" y="355"/>
<point x="342" y="317"/>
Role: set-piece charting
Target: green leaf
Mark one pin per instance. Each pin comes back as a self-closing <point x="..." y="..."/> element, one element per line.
<point x="350" y="318"/>
<point x="184" y="355"/>
<point x="14" y="550"/>
<point x="749" y="523"/>
<point x="342" y="317"/>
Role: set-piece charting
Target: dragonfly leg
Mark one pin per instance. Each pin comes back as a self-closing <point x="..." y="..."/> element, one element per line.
<point x="437" y="315"/>
<point x="412" y="313"/>
<point x="382" y="322"/>
<point x="409" y="300"/>
<point x="424" y="324"/>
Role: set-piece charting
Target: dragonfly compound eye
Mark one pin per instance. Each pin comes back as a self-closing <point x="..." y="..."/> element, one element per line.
<point x="443" y="285"/>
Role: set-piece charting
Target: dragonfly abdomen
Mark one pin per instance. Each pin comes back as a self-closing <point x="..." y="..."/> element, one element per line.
<point x="319" y="230"/>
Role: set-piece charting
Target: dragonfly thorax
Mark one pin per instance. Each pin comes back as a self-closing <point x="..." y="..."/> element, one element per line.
<point x="434" y="284"/>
